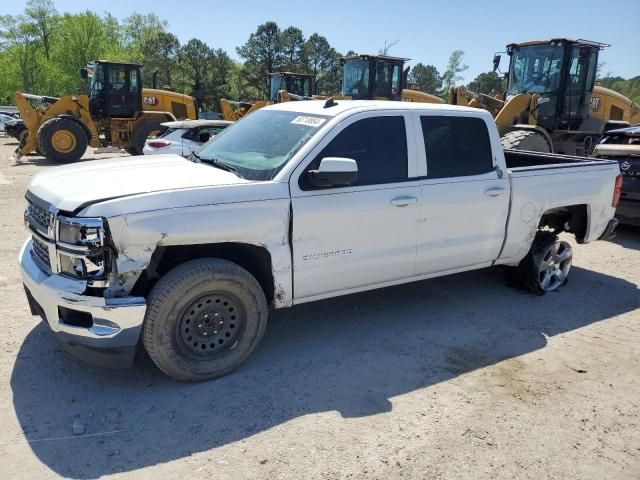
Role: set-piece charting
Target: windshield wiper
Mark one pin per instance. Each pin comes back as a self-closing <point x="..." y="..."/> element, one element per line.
<point x="218" y="164"/>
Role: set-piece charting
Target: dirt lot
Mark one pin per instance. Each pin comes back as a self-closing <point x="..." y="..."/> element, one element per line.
<point x="458" y="377"/>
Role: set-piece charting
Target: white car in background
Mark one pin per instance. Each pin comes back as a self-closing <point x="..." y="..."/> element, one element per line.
<point x="184" y="136"/>
<point x="4" y="119"/>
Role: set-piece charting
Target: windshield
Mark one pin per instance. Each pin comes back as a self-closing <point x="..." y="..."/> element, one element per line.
<point x="355" y="83"/>
<point x="300" y="86"/>
<point x="535" y="69"/>
<point x="259" y="145"/>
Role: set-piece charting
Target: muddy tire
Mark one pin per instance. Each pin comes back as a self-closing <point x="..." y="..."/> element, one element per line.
<point x="547" y="265"/>
<point x="528" y="140"/>
<point x="62" y="140"/>
<point x="204" y="318"/>
<point x="141" y="134"/>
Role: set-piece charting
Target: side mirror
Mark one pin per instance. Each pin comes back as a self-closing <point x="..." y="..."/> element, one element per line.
<point x="204" y="137"/>
<point x="84" y="73"/>
<point x="496" y="62"/>
<point x="334" y="171"/>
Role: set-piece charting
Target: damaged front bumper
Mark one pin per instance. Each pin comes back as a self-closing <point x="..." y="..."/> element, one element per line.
<point x="102" y="331"/>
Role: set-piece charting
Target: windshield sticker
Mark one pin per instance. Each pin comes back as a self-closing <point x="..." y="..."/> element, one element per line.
<point x="308" y="121"/>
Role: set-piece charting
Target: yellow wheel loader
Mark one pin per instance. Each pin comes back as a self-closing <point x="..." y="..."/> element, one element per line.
<point x="379" y="77"/>
<point x="551" y="102"/>
<point x="117" y="112"/>
<point x="284" y="87"/>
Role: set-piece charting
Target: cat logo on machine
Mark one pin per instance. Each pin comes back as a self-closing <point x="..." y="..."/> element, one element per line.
<point x="150" y="100"/>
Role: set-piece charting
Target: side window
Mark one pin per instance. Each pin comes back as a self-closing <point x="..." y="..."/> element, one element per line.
<point x="377" y="144"/>
<point x="117" y="79"/>
<point x="179" y="110"/>
<point x="456" y="146"/>
<point x="133" y="83"/>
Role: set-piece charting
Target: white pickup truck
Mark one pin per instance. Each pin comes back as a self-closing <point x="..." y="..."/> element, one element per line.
<point x="296" y="202"/>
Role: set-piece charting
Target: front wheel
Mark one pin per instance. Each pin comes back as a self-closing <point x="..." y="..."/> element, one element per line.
<point x="62" y="140"/>
<point x="204" y="318"/>
<point x="547" y="265"/>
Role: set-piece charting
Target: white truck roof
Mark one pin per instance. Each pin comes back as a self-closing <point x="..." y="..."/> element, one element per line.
<point x="317" y="106"/>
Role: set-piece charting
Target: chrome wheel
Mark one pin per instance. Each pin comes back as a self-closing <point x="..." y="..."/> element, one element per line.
<point x="554" y="266"/>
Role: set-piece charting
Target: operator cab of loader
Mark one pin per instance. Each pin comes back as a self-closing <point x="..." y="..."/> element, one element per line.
<point x="373" y="77"/>
<point x="562" y="72"/>
<point x="115" y="88"/>
<point x="295" y="84"/>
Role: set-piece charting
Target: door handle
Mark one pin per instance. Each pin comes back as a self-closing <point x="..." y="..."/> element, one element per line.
<point x="495" y="191"/>
<point x="403" y="201"/>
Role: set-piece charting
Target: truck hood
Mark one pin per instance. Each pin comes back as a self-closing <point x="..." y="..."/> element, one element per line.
<point x="71" y="187"/>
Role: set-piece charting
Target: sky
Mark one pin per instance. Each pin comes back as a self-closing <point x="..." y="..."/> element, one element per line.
<point x="426" y="31"/>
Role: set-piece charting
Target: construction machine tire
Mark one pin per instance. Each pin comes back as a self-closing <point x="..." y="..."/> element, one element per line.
<point x="528" y="140"/>
<point x="141" y="134"/>
<point x="62" y="140"/>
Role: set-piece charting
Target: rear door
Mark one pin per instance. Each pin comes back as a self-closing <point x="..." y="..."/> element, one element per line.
<point x="464" y="202"/>
<point x="353" y="237"/>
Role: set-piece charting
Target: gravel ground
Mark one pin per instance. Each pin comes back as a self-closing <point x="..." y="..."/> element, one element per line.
<point x="456" y="377"/>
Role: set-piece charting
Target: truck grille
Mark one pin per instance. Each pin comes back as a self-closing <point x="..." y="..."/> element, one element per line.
<point x="40" y="215"/>
<point x="40" y="251"/>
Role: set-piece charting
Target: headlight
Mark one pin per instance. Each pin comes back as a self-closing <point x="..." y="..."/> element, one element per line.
<point x="82" y="232"/>
<point x="80" y="247"/>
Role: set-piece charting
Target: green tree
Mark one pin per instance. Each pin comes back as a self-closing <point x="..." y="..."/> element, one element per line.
<point x="489" y="82"/>
<point x="292" y="45"/>
<point x="221" y="74"/>
<point x="45" y="19"/>
<point x="324" y="62"/>
<point x="426" y="77"/>
<point x="452" y="73"/>
<point x="195" y="58"/>
<point x="262" y="54"/>
<point x="160" y="52"/>
<point x="18" y="40"/>
<point x="83" y="40"/>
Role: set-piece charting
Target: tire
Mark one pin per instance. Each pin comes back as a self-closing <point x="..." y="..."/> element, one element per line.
<point x="204" y="318"/>
<point x="62" y="140"/>
<point x="547" y="265"/>
<point x="141" y="134"/>
<point x="22" y="136"/>
<point x="528" y="140"/>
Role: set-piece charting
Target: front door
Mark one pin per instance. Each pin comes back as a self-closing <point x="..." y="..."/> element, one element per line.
<point x="123" y="93"/>
<point x="353" y="237"/>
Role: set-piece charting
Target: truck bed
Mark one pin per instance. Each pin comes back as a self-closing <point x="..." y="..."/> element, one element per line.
<point x="541" y="182"/>
<point x="519" y="160"/>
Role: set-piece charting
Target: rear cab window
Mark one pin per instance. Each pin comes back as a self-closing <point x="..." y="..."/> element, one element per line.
<point x="456" y="146"/>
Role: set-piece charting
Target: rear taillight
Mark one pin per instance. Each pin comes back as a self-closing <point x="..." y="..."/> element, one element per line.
<point x="617" y="190"/>
<point x="159" y="143"/>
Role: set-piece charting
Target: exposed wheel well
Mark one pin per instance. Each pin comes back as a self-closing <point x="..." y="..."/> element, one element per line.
<point x="255" y="259"/>
<point x="572" y="218"/>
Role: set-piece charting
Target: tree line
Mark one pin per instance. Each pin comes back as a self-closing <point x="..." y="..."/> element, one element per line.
<point x="42" y="51"/>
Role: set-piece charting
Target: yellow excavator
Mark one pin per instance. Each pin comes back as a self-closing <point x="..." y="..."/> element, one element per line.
<point x="117" y="112"/>
<point x="551" y="102"/>
<point x="284" y="87"/>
